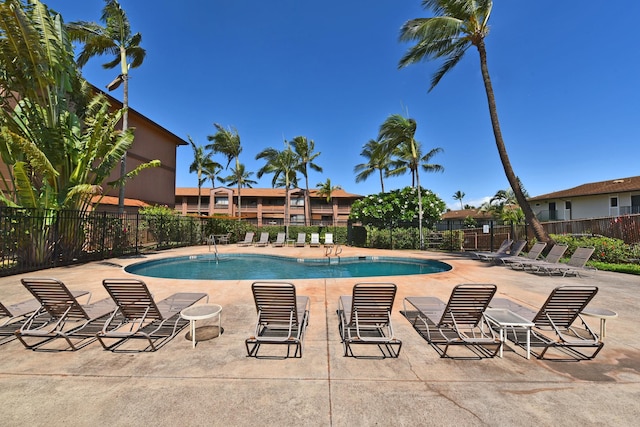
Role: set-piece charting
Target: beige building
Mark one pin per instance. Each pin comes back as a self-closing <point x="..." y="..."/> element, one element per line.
<point x="593" y="200"/>
<point x="153" y="186"/>
<point x="265" y="206"/>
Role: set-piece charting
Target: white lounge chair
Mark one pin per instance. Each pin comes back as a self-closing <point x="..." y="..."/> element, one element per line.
<point x="264" y="239"/>
<point x="328" y="239"/>
<point x="315" y="240"/>
<point x="301" y="242"/>
<point x="280" y="240"/>
<point x="248" y="239"/>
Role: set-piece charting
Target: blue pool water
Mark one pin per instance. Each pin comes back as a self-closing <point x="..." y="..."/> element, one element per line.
<point x="266" y="267"/>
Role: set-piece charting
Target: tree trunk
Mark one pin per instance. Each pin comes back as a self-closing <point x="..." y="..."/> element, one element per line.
<point x="538" y="230"/>
<point x="307" y="200"/>
<point x="239" y="178"/>
<point x="420" y="212"/>
<point x="381" y="181"/>
<point x="125" y="126"/>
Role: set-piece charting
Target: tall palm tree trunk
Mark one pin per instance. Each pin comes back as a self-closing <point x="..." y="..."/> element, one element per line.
<point x="538" y="230"/>
<point x="125" y="126"/>
<point x="420" y="212"/>
<point x="307" y="202"/>
<point x="381" y="181"/>
<point x="239" y="196"/>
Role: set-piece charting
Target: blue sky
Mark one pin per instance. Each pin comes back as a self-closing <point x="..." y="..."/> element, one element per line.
<point x="566" y="76"/>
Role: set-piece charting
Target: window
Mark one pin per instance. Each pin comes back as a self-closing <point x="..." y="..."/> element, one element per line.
<point x="297" y="201"/>
<point x="567" y="205"/>
<point x="222" y="201"/>
<point x="297" y="219"/>
<point x="613" y="202"/>
<point x="635" y="204"/>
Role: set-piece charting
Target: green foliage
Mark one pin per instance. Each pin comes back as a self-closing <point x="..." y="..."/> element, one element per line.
<point x="396" y="207"/>
<point x="162" y="222"/>
<point x="452" y="240"/>
<point x="607" y="249"/>
<point x="616" y="268"/>
<point x="470" y="222"/>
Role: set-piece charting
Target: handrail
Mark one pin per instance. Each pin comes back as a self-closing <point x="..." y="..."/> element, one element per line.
<point x="211" y="240"/>
<point x="327" y="250"/>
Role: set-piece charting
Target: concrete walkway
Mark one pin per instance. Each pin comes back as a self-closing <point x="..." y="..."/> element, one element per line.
<point x="216" y="384"/>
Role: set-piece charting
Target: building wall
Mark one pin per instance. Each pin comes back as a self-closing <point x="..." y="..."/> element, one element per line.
<point x="267" y="209"/>
<point x="155" y="186"/>
<point x="584" y="207"/>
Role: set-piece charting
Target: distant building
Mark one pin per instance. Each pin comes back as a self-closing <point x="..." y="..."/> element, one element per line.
<point x="265" y="206"/>
<point x="597" y="199"/>
<point x="456" y="219"/>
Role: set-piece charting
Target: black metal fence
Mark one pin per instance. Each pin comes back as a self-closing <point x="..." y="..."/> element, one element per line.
<point x="35" y="239"/>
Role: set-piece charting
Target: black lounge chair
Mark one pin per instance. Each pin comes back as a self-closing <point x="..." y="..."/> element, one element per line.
<point x="555" y="322"/>
<point x="282" y="317"/>
<point x="460" y="321"/>
<point x="139" y="316"/>
<point x="68" y="318"/>
<point x="365" y="318"/>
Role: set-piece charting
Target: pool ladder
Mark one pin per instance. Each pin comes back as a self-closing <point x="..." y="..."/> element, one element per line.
<point x="337" y="252"/>
<point x="212" y="240"/>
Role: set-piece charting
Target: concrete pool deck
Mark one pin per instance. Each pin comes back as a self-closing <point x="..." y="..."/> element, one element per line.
<point x="216" y="384"/>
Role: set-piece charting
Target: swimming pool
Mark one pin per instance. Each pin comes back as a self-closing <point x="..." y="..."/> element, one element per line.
<point x="270" y="267"/>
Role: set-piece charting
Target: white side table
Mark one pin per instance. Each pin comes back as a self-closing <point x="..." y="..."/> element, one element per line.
<point x="503" y="319"/>
<point x="201" y="312"/>
<point x="603" y="314"/>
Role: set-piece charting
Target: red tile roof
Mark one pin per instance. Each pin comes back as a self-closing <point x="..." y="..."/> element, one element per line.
<point x="464" y="213"/>
<point x="111" y="200"/>
<point x="621" y="185"/>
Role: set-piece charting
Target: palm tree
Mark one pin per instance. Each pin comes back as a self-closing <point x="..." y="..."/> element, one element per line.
<point x="227" y="142"/>
<point x="457" y="25"/>
<point x="406" y="161"/>
<point x="210" y="172"/>
<point x="201" y="162"/>
<point x="378" y="159"/>
<point x="326" y="189"/>
<point x="459" y="195"/>
<point x="399" y="132"/>
<point x="115" y="38"/>
<point x="284" y="167"/>
<point x="303" y="148"/>
<point x="240" y="177"/>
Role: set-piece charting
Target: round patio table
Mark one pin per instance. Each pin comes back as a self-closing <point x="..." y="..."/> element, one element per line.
<point x="603" y="314"/>
<point x="202" y="312"/>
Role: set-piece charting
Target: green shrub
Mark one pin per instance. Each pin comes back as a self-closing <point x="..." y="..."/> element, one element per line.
<point x="607" y="249"/>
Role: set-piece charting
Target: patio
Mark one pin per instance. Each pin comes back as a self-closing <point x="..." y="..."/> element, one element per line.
<point x="216" y="384"/>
